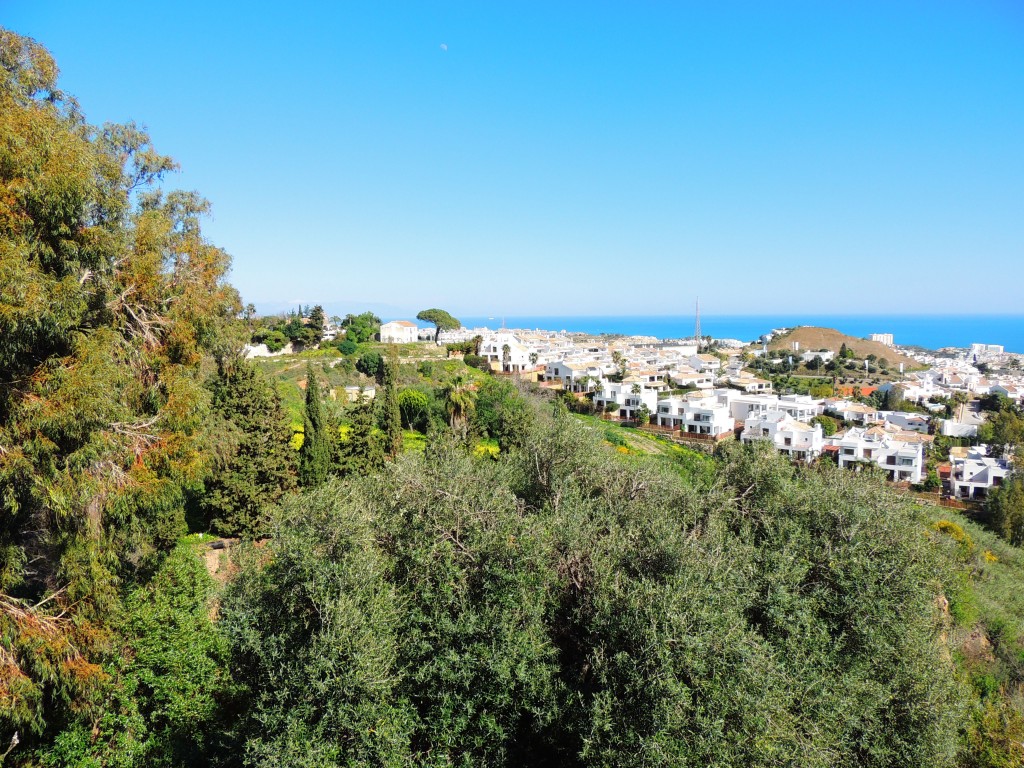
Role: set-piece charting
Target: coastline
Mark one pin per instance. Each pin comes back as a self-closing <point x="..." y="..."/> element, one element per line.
<point x="927" y="331"/>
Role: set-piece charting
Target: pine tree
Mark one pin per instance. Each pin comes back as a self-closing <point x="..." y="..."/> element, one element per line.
<point x="256" y="466"/>
<point x="317" y="321"/>
<point x="315" y="454"/>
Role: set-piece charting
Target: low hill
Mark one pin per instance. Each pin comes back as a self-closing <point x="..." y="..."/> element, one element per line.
<point x="813" y="338"/>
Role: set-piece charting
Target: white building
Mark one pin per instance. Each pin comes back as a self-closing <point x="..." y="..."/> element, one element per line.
<point x="984" y="350"/>
<point x="628" y="401"/>
<point x="903" y="461"/>
<point x="705" y="363"/>
<point x="697" y="413"/>
<point x="909" y="422"/>
<point x="882" y="338"/>
<point x="751" y="384"/>
<point x="687" y="377"/>
<point x="1013" y="391"/>
<point x="795" y="438"/>
<point x="825" y="355"/>
<point x="572" y="372"/>
<point x="975" y="474"/>
<point x="849" y="410"/>
<point x="506" y="353"/>
<point x="799" y="407"/>
<point x="399" y="332"/>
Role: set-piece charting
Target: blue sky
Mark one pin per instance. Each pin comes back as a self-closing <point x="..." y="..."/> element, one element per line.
<point x="581" y="158"/>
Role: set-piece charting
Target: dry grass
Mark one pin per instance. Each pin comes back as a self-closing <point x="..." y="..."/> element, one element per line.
<point x="812" y="338"/>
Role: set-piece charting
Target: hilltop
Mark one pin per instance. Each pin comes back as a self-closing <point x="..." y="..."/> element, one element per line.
<point x="812" y="338"/>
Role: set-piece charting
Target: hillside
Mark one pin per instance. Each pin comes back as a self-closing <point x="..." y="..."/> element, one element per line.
<point x="811" y="337"/>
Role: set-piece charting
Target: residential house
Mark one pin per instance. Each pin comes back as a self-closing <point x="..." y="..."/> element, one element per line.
<point x="751" y="384"/>
<point x="909" y="422"/>
<point x="697" y="413"/>
<point x="705" y="363"/>
<point x="858" y="413"/>
<point x="627" y="397"/>
<point x="974" y="473"/>
<point x="1013" y="391"/>
<point x="902" y="460"/>
<point x="506" y="353"/>
<point x="399" y="332"/>
<point x="794" y="438"/>
<point x="687" y="377"/>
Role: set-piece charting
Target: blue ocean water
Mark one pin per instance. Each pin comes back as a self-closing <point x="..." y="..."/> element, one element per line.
<point x="928" y="331"/>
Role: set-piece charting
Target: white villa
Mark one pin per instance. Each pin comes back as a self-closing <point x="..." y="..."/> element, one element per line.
<point x="903" y="460"/>
<point x="705" y="363"/>
<point x="697" y="413"/>
<point x="622" y="394"/>
<point x="399" y="332"/>
<point x="795" y="438"/>
<point x="973" y="474"/>
<point x="518" y="358"/>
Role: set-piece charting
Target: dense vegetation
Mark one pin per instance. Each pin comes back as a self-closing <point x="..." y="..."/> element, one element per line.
<point x="456" y="572"/>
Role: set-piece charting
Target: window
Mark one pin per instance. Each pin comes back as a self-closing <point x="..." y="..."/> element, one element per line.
<point x="788" y="441"/>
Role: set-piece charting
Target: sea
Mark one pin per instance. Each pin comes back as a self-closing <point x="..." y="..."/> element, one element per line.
<point x="927" y="331"/>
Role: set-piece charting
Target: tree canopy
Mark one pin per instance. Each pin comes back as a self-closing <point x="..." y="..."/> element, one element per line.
<point x="442" y="321"/>
<point x="110" y="299"/>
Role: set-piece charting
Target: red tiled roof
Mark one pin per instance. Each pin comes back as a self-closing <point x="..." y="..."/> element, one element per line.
<point x="847" y="390"/>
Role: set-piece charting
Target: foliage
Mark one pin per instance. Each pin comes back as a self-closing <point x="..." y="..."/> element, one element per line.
<point x="561" y="606"/>
<point x="317" y="440"/>
<point x="255" y="466"/>
<point x="371" y="364"/>
<point x="314" y="641"/>
<point x="348" y="347"/>
<point x="502" y="413"/>
<point x="643" y="414"/>
<point x="821" y="390"/>
<point x="475" y="361"/>
<point x="359" y="450"/>
<point x="414" y="408"/>
<point x="361" y="328"/>
<point x="1003" y="431"/>
<point x="441" y="320"/>
<point x="827" y="423"/>
<point x="459" y="397"/>
<point x="391" y="419"/>
<point x="110" y="299"/>
<point x="165" y="689"/>
<point x="317" y="321"/>
<point x="1005" y="506"/>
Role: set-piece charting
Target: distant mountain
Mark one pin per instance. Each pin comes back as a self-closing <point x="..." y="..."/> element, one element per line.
<point x="340" y="308"/>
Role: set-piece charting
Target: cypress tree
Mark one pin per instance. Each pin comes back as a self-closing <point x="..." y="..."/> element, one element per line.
<point x="391" y="417"/>
<point x="315" y="454"/>
<point x="362" y="451"/>
<point x="257" y="467"/>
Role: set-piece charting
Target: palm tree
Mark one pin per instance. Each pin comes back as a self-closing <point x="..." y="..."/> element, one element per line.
<point x="459" y="402"/>
<point x="506" y="356"/>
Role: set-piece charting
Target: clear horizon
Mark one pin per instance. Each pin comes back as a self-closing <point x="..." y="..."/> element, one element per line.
<point x="581" y="159"/>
